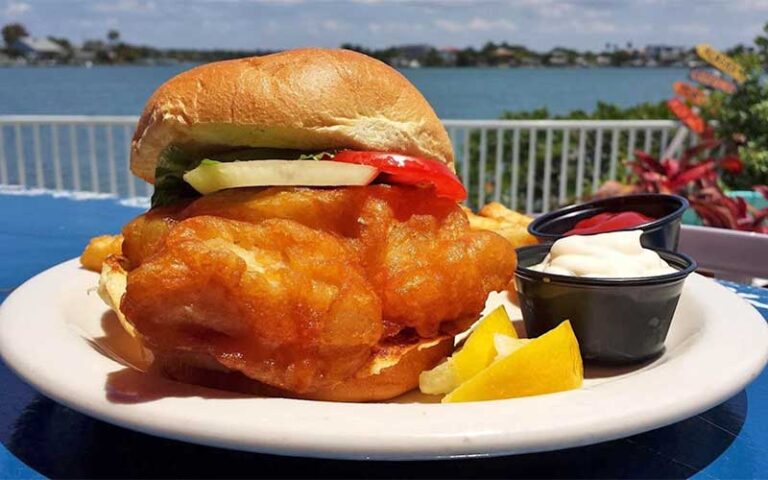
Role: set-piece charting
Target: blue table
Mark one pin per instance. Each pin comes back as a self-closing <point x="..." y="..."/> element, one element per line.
<point x="43" y="439"/>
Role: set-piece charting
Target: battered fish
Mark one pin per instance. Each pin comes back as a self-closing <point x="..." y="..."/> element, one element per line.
<point x="294" y="286"/>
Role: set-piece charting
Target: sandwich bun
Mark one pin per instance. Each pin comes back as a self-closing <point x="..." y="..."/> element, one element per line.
<point x="392" y="371"/>
<point x="306" y="99"/>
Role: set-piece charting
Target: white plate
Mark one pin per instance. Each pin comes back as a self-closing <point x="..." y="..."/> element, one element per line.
<point x="50" y="325"/>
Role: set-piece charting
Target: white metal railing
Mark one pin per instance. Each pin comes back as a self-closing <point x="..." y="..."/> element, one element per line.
<point x="536" y="165"/>
<point x="531" y="165"/>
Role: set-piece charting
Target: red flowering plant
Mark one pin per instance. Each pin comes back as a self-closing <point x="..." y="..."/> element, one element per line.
<point x="695" y="175"/>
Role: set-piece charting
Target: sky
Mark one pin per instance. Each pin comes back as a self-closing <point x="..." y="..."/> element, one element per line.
<point x="276" y="24"/>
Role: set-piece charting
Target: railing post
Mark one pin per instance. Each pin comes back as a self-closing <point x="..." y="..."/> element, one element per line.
<point x="111" y="161"/>
<point x="129" y="174"/>
<point x="39" y="175"/>
<point x="515" y="173"/>
<point x="614" y="153"/>
<point x="74" y="157"/>
<point x="3" y="162"/>
<point x="648" y="141"/>
<point x="92" y="152"/>
<point x="465" y="158"/>
<point x="547" y="172"/>
<point x="580" y="164"/>
<point x="598" y="159"/>
<point x="498" y="174"/>
<point x="56" y="157"/>
<point x="481" y="170"/>
<point x="564" y="167"/>
<point x="20" y="166"/>
<point x="530" y="186"/>
<point x="631" y="144"/>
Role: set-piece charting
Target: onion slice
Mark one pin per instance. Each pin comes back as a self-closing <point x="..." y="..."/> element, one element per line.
<point x="211" y="177"/>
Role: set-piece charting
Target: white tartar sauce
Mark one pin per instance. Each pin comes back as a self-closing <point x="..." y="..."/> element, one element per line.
<point x="606" y="255"/>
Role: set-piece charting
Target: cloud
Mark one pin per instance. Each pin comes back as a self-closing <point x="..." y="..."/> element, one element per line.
<point x="580" y="26"/>
<point x="394" y="27"/>
<point x="15" y="9"/>
<point x="593" y="26"/>
<point x="693" y="28"/>
<point x="418" y="2"/>
<point x="476" y="24"/>
<point x="125" y="6"/>
<point x="750" y="5"/>
<point x="330" y="25"/>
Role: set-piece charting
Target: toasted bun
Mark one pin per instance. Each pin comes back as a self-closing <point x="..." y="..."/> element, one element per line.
<point x="306" y="99"/>
<point x="393" y="370"/>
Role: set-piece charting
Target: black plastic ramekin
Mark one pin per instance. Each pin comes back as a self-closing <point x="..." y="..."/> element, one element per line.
<point x="662" y="233"/>
<point x="616" y="320"/>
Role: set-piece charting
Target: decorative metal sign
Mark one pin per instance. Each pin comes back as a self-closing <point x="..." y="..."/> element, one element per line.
<point x="688" y="117"/>
<point x="721" y="61"/>
<point x="704" y="77"/>
<point x="687" y="91"/>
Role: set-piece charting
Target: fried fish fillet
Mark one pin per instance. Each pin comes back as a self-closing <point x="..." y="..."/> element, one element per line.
<point x="294" y="287"/>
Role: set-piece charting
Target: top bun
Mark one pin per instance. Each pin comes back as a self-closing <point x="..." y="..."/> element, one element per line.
<point x="306" y="99"/>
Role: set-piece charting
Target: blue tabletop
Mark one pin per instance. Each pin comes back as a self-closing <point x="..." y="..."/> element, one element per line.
<point x="39" y="438"/>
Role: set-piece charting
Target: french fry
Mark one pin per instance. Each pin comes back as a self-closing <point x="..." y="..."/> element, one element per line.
<point x="98" y="249"/>
<point x="511" y="225"/>
<point x="499" y="219"/>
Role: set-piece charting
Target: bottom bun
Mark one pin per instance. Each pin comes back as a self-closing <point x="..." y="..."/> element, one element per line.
<point x="393" y="370"/>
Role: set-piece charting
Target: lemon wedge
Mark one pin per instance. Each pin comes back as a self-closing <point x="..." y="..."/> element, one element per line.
<point x="547" y="364"/>
<point x="477" y="353"/>
<point x="479" y="349"/>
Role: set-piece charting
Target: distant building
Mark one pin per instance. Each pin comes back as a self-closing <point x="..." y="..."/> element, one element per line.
<point x="402" y="61"/>
<point x="603" y="60"/>
<point x="37" y="49"/>
<point x="449" y="56"/>
<point x="83" y="57"/>
<point x="529" y="61"/>
<point x="414" y="51"/>
<point x="410" y="56"/>
<point x="558" y="58"/>
<point x="504" y="57"/>
<point x="665" y="53"/>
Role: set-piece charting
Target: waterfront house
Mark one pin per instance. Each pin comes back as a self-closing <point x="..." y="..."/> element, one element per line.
<point x="603" y="60"/>
<point x="665" y="54"/>
<point x="558" y="58"/>
<point x="38" y="49"/>
<point x="83" y="57"/>
<point x="504" y="57"/>
<point x="449" y="56"/>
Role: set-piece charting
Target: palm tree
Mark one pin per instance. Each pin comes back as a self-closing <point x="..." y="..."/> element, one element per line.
<point x="13" y="32"/>
<point x="113" y="36"/>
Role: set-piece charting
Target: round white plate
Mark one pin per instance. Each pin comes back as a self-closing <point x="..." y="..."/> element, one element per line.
<point x="52" y="331"/>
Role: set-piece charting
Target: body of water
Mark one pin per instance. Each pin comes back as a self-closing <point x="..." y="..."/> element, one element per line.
<point x="456" y="93"/>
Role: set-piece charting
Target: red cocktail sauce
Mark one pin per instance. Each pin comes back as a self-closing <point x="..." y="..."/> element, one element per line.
<point x="609" y="222"/>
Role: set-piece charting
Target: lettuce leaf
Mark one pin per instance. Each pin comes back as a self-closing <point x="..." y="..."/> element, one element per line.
<point x="316" y="156"/>
<point x="170" y="187"/>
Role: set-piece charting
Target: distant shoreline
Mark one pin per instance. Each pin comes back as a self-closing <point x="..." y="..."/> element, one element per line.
<point x="468" y="67"/>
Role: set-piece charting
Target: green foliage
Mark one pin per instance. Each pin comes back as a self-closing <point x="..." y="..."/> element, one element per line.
<point x="13" y="32"/>
<point x="170" y="186"/>
<point x="742" y="121"/>
<point x="761" y="42"/>
<point x="602" y="111"/>
<point x="564" y="152"/>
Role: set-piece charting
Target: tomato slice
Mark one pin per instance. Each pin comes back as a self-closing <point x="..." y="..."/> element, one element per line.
<point x="609" y="222"/>
<point x="408" y="170"/>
